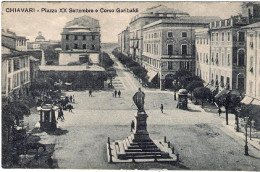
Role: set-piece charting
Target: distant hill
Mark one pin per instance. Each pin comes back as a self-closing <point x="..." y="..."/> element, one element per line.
<point x="108" y="47"/>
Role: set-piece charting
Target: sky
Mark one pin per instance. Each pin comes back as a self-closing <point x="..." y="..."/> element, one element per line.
<point x="51" y="24"/>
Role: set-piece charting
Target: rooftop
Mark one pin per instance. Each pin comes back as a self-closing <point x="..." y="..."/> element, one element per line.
<point x="10" y="34"/>
<point x="72" y="68"/>
<point x="186" y="20"/>
<point x="83" y="22"/>
<point x="255" y="25"/>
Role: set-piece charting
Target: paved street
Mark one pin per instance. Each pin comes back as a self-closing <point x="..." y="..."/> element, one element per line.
<point x="199" y="137"/>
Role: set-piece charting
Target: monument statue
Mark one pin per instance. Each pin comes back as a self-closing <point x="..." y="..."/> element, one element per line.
<point x="138" y="99"/>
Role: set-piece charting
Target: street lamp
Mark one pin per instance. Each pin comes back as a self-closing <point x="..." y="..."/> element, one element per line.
<point x="246" y="147"/>
<point x="237" y="110"/>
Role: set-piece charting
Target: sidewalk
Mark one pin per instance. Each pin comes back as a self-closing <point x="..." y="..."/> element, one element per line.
<point x="231" y="125"/>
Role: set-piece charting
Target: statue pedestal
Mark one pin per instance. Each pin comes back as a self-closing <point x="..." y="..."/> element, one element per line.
<point x="139" y="147"/>
<point x="140" y="132"/>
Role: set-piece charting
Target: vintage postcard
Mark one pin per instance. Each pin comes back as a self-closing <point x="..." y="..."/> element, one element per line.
<point x="131" y="85"/>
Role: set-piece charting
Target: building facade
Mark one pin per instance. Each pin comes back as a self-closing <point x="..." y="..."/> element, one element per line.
<point x="124" y="41"/>
<point x="80" y="37"/>
<point x="15" y="77"/>
<point x="139" y="21"/>
<point x="13" y="42"/>
<point x="203" y="62"/>
<point x="169" y="45"/>
<point x="253" y="63"/>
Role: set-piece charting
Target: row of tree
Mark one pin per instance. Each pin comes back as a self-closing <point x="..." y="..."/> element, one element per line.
<point x="138" y="70"/>
<point x="107" y="63"/>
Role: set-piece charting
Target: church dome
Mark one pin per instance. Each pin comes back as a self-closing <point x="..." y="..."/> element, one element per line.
<point x="39" y="38"/>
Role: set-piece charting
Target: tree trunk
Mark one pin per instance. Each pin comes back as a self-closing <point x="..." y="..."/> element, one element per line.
<point x="226" y="116"/>
<point x="191" y="96"/>
<point x="202" y="102"/>
<point x="175" y="95"/>
<point x="196" y="101"/>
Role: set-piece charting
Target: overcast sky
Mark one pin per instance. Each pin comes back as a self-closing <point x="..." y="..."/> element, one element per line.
<point x="51" y="24"/>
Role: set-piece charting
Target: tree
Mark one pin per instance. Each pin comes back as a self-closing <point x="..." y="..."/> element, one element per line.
<point x="111" y="73"/>
<point x="175" y="87"/>
<point x="105" y="60"/>
<point x="194" y="84"/>
<point x="251" y="111"/>
<point x="42" y="85"/>
<point x="202" y="93"/>
<point x="229" y="101"/>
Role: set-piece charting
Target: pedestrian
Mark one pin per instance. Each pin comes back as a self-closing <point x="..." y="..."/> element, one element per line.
<point x="115" y="93"/>
<point x="90" y="92"/>
<point x="219" y="111"/>
<point x="119" y="93"/>
<point x="69" y="106"/>
<point x="70" y="98"/>
<point x="67" y="100"/>
<point x="161" y="108"/>
<point x="73" y="99"/>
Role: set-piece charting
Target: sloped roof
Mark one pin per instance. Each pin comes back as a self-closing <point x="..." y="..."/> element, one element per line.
<point x="164" y="9"/>
<point x="12" y="35"/>
<point x="255" y="25"/>
<point x="85" y="21"/>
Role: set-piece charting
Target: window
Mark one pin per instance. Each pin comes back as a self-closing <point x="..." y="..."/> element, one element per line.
<point x="170" y="35"/>
<point x="184" y="49"/>
<point x="223" y="36"/>
<point x="75" y="46"/>
<point x="170" y="49"/>
<point x="184" y="34"/>
<point x="93" y="37"/>
<point x="170" y="65"/>
<point x="84" y="37"/>
<point x="200" y="40"/>
<point x="216" y="36"/>
<point x="84" y="46"/>
<point x="241" y="36"/>
<point x="207" y="41"/>
<point x="240" y="81"/>
<point x="197" y="41"/>
<point x="228" y="36"/>
<point x="92" y="47"/>
<point x="16" y="64"/>
<point x="67" y="46"/>
<point x="228" y="59"/>
<point x="241" y="58"/>
<point x="204" y="41"/>
<point x="9" y="66"/>
<point x="9" y="85"/>
<point x="251" y="40"/>
<point x="216" y="58"/>
<point x="228" y="82"/>
<point x="75" y="37"/>
<point x="67" y="37"/>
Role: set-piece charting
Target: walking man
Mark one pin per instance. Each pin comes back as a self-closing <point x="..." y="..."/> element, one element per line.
<point x="69" y="106"/>
<point x="115" y="92"/>
<point x="119" y="93"/>
<point x="90" y="92"/>
<point x="219" y="111"/>
<point x="70" y="98"/>
<point x="161" y="108"/>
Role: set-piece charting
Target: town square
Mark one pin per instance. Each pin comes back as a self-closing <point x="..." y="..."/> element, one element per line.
<point x="170" y="90"/>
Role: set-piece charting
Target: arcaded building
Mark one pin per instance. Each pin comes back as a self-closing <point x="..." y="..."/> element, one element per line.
<point x="80" y="38"/>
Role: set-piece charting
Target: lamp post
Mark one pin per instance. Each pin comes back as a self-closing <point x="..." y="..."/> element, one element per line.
<point x="246" y="147"/>
<point x="237" y="110"/>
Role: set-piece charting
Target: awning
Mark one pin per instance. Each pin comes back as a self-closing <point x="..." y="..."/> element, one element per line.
<point x="247" y="100"/>
<point x="212" y="88"/>
<point x="68" y="83"/>
<point x="256" y="102"/>
<point x="151" y="74"/>
<point x="221" y="93"/>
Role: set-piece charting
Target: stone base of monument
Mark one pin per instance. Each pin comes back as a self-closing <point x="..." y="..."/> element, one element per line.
<point x="139" y="147"/>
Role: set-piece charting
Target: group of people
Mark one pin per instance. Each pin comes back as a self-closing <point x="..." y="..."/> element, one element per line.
<point x="115" y="93"/>
<point x="65" y="104"/>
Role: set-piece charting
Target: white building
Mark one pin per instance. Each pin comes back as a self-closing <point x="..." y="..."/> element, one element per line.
<point x="253" y="64"/>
